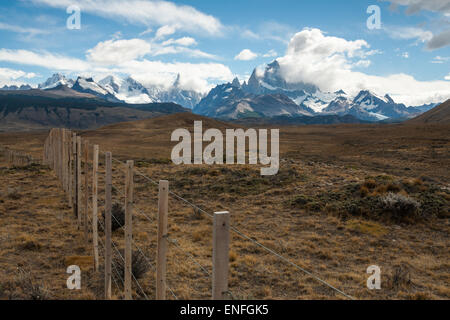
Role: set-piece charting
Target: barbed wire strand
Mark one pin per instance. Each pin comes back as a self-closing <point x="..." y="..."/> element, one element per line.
<point x="137" y="282"/>
<point x="189" y="255"/>
<point x="146" y="258"/>
<point x="241" y="234"/>
<point x="114" y="280"/>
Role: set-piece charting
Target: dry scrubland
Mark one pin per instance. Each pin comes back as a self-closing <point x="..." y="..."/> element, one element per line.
<point x="346" y="197"/>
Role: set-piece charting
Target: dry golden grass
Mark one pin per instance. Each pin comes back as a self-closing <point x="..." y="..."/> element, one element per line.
<point x="297" y="213"/>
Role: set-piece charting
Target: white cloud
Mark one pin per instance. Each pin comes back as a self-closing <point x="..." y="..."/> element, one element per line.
<point x="195" y="76"/>
<point x="246" y="55"/>
<point x="270" y="30"/>
<point x="409" y="33"/>
<point x="165" y="31"/>
<point x="447" y="77"/>
<point x="194" y="53"/>
<point x="113" y="52"/>
<point x="405" y="55"/>
<point x="250" y="35"/>
<point x="271" y="54"/>
<point x="19" y="29"/>
<point x="147" y="31"/>
<point x="44" y="59"/>
<point x="185" y="41"/>
<point x="10" y="76"/>
<point x="328" y="63"/>
<point x="440" y="60"/>
<point x="363" y="63"/>
<point x="148" y="13"/>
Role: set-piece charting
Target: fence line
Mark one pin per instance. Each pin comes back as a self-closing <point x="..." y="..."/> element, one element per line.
<point x="63" y="153"/>
<point x="17" y="158"/>
<point x="246" y="237"/>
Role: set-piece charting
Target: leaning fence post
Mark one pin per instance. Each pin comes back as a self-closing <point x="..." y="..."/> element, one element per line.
<point x="86" y="189"/>
<point x="162" y="240"/>
<point x="221" y="243"/>
<point x="108" y="207"/>
<point x="95" y="205"/>
<point x="129" y="186"/>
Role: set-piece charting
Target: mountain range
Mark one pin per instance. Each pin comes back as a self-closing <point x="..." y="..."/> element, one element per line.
<point x="266" y="95"/>
<point x="61" y="106"/>
<point x="115" y="89"/>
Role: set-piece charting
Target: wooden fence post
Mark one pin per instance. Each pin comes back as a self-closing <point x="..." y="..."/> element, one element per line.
<point x="59" y="139"/>
<point x="161" y="259"/>
<point x="63" y="159"/>
<point x="69" y="168"/>
<point x="78" y="183"/>
<point x="129" y="186"/>
<point x="95" y="205"/>
<point x="108" y="207"/>
<point x="74" y="173"/>
<point x="86" y="189"/>
<point x="221" y="243"/>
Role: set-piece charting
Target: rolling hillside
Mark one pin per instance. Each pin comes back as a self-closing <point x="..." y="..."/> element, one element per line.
<point x="64" y="107"/>
<point x="440" y="114"/>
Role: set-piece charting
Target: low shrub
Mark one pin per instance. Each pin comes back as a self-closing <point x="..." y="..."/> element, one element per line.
<point x="139" y="265"/>
<point x="399" y="206"/>
<point x="29" y="287"/>
<point x="399" y="278"/>
<point x="117" y="219"/>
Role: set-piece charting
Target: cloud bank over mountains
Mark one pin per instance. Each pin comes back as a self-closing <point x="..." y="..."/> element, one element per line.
<point x="312" y="55"/>
<point x="330" y="63"/>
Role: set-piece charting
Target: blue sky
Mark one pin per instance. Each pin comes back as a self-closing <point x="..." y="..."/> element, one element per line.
<point x="154" y="40"/>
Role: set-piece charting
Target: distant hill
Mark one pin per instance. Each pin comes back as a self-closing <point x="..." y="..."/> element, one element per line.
<point x="149" y="138"/>
<point x="64" y="107"/>
<point x="300" y="120"/>
<point x="440" y="114"/>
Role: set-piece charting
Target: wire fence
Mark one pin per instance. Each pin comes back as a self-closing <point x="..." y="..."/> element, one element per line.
<point x="239" y="233"/>
<point x="55" y="154"/>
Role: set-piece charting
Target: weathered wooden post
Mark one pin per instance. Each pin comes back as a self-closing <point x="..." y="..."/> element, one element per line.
<point x="95" y="205"/>
<point x="86" y="190"/>
<point x="69" y="168"/>
<point x="64" y="159"/>
<point x="78" y="178"/>
<point x="129" y="187"/>
<point x="221" y="243"/>
<point x="108" y="207"/>
<point x="74" y="173"/>
<point x="161" y="259"/>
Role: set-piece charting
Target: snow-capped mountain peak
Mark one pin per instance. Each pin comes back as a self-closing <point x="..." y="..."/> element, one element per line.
<point x="111" y="83"/>
<point x="56" y="80"/>
<point x="88" y="85"/>
<point x="236" y="83"/>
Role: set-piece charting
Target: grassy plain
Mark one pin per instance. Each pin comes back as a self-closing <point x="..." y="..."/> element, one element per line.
<point x="322" y="211"/>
